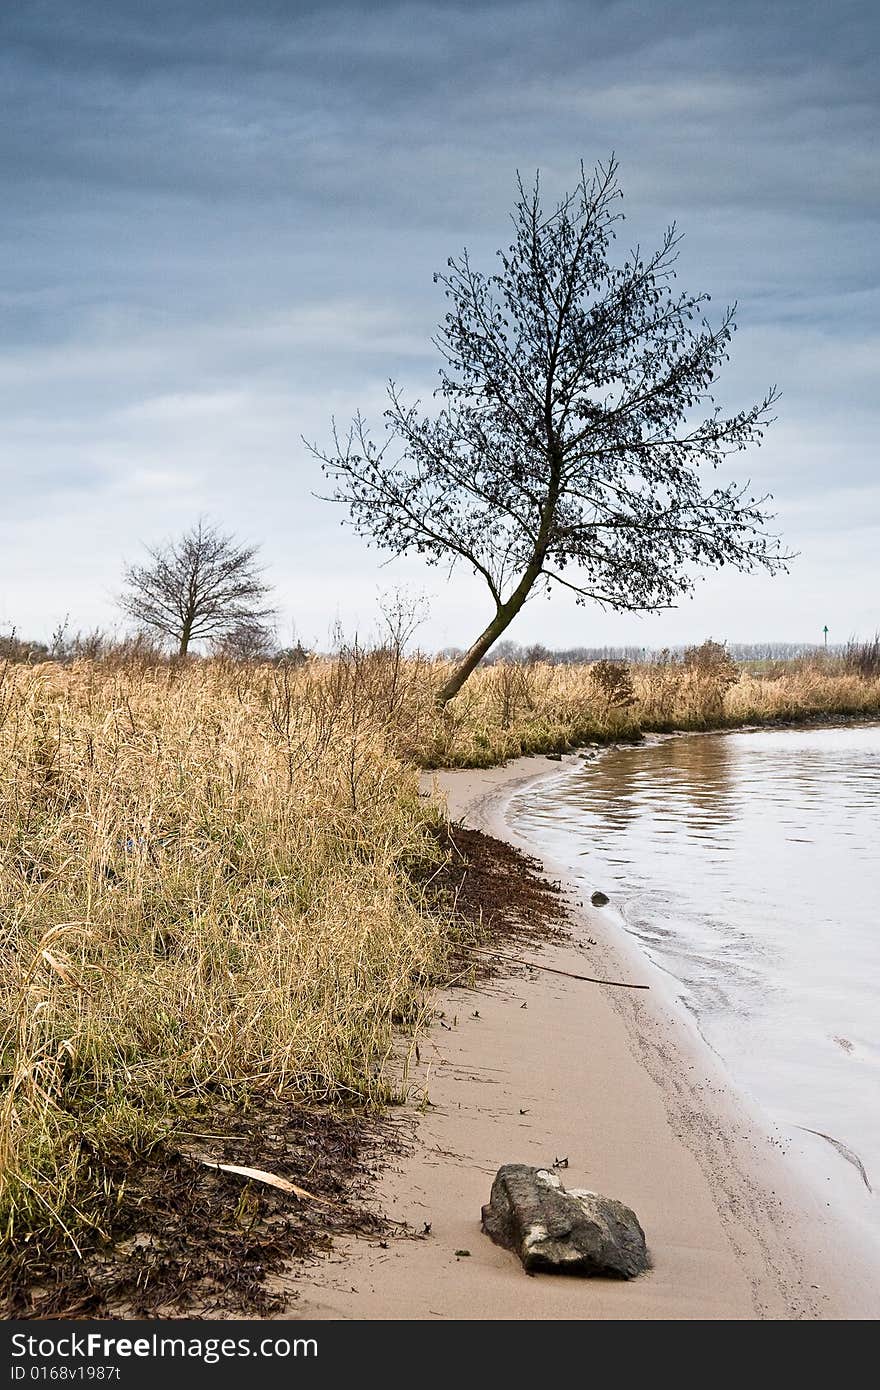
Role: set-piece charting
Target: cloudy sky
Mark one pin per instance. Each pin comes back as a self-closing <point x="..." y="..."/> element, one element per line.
<point x="220" y="223"/>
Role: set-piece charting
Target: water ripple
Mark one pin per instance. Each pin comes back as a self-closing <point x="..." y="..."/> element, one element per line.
<point x="748" y="865"/>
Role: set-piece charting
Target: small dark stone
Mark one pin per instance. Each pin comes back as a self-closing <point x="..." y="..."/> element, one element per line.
<point x="555" y="757"/>
<point x="599" y="899"/>
<point x="550" y="1229"/>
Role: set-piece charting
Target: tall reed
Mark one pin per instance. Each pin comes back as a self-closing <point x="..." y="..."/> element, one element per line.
<point x="202" y="887"/>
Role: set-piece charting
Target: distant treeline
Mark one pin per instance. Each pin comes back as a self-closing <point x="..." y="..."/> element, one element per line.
<point x="141" y="647"/>
<point x="110" y="648"/>
<point x="578" y="656"/>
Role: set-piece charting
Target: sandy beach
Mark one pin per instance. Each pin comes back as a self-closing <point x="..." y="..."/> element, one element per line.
<point x="537" y="1068"/>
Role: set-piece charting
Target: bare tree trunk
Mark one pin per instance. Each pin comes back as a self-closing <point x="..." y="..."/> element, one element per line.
<point x="506" y="612"/>
<point x="502" y="620"/>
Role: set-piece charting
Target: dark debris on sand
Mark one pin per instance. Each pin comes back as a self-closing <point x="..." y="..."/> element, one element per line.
<point x="186" y="1240"/>
<point x="502" y="895"/>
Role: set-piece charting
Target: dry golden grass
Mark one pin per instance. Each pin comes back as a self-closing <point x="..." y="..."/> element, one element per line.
<point x="193" y="894"/>
<point x="210" y="875"/>
<point x="506" y="710"/>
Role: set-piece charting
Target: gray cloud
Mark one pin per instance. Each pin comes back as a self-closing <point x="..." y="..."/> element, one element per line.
<point x="220" y="223"/>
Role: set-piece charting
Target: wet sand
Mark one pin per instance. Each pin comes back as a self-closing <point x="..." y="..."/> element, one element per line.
<point x="541" y="1067"/>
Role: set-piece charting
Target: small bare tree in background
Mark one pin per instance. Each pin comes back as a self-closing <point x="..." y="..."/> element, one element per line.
<point x="402" y="615"/>
<point x="203" y="585"/>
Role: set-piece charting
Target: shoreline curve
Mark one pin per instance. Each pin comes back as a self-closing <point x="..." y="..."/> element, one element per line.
<point x="619" y="1083"/>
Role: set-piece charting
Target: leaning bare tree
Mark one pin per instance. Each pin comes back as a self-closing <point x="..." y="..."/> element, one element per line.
<point x="575" y="413"/>
<point x="203" y="585"/>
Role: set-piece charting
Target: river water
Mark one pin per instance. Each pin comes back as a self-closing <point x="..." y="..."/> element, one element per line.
<point x="748" y="866"/>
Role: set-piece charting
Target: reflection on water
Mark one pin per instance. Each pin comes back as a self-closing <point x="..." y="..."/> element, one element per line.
<point x="748" y="865"/>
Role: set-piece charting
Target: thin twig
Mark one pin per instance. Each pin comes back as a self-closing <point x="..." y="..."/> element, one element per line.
<point x="553" y="970"/>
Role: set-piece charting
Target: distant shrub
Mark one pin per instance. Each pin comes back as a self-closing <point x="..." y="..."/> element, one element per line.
<point x="709" y="671"/>
<point x="537" y="655"/>
<point x="863" y="658"/>
<point x="712" y="659"/>
<point x="15" y="649"/>
<point x="248" y="640"/>
<point x="297" y="655"/>
<point x="613" y="683"/>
